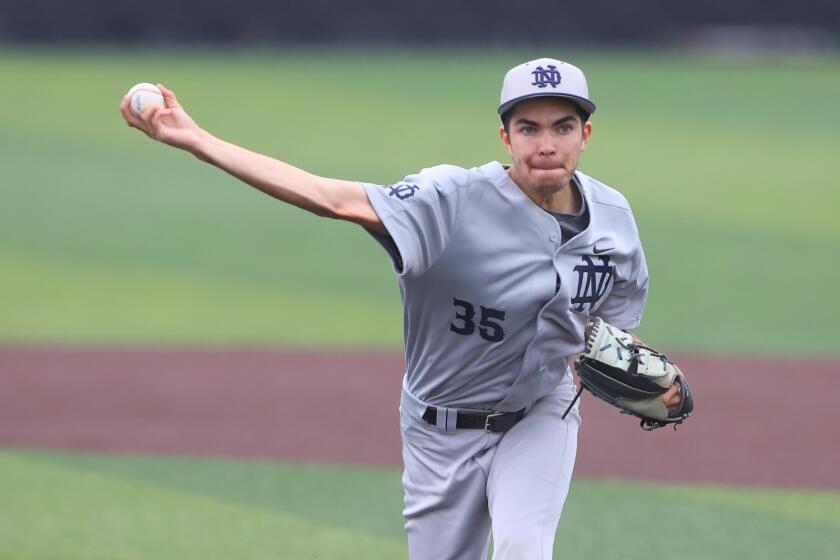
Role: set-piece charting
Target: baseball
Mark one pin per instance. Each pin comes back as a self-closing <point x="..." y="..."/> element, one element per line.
<point x="144" y="95"/>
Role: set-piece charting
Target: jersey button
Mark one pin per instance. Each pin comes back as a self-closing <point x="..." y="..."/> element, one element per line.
<point x="553" y="237"/>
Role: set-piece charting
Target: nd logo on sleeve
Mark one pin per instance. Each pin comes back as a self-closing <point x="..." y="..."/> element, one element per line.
<point x="402" y="190"/>
<point x="593" y="280"/>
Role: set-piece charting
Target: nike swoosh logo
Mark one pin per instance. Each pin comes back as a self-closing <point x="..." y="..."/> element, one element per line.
<point x="598" y="251"/>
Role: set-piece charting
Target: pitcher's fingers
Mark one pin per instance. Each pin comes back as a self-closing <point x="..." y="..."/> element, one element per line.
<point x="169" y="97"/>
<point x="148" y="113"/>
<point x="159" y="115"/>
<point x="125" y="111"/>
<point x="130" y="118"/>
<point x="672" y="398"/>
<point x="148" y="124"/>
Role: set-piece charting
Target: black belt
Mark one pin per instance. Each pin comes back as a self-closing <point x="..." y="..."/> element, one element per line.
<point x="477" y="420"/>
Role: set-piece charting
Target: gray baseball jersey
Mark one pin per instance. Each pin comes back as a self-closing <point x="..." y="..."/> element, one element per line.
<point x="494" y="300"/>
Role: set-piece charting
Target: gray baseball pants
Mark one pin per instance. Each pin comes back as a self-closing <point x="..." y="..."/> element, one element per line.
<point x="462" y="484"/>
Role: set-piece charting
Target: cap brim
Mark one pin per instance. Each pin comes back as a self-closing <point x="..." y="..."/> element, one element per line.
<point x="581" y="102"/>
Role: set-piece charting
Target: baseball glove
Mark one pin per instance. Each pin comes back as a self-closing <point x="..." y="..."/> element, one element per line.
<point x="631" y="376"/>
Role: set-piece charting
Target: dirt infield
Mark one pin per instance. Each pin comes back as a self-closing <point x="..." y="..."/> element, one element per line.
<point x="753" y="425"/>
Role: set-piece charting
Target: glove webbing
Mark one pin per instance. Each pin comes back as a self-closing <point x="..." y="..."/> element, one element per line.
<point x="645" y="423"/>
<point x="634" y="348"/>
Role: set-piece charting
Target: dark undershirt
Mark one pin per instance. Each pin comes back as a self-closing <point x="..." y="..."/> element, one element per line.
<point x="571" y="225"/>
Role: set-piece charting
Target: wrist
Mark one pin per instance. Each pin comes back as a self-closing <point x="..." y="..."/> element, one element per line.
<point x="203" y="145"/>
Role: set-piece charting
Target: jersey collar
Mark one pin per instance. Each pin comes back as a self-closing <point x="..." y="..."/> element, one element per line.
<point x="539" y="218"/>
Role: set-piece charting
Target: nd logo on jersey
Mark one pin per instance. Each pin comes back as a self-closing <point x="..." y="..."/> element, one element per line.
<point x="402" y="190"/>
<point x="544" y="77"/>
<point x="593" y="281"/>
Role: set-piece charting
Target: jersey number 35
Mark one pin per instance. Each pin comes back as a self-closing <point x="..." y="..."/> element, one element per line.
<point x="489" y="327"/>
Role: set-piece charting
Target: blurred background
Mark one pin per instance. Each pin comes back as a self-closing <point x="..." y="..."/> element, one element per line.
<point x="189" y="368"/>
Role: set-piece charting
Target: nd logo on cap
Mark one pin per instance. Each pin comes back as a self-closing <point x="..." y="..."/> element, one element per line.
<point x="545" y="77"/>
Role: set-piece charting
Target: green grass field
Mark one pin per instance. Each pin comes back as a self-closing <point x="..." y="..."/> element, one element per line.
<point x="69" y="506"/>
<point x="106" y="236"/>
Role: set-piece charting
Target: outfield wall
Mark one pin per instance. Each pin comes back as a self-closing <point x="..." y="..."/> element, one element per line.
<point x="768" y="22"/>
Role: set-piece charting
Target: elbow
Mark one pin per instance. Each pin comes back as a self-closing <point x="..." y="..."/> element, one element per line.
<point x="325" y="206"/>
<point x="330" y="204"/>
<point x="361" y="213"/>
<point x="327" y="211"/>
<point x="347" y="201"/>
<point x="341" y="210"/>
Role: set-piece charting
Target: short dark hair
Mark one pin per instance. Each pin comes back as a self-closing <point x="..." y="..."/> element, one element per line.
<point x="584" y="116"/>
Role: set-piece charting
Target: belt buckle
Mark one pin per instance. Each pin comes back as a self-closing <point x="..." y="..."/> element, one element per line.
<point x="489" y="416"/>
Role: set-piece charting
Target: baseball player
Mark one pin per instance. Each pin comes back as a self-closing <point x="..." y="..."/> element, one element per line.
<point x="499" y="267"/>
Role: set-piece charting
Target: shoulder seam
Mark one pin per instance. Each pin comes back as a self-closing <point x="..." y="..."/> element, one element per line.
<point x="457" y="222"/>
<point x="626" y="209"/>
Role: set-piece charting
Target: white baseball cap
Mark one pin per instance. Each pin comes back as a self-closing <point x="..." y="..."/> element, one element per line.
<point x="545" y="77"/>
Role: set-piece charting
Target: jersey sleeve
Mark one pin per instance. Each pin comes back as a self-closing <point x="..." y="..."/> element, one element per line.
<point x="420" y="213"/>
<point x="626" y="301"/>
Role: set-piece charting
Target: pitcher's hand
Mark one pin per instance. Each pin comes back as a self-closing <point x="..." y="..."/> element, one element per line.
<point x="170" y="124"/>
